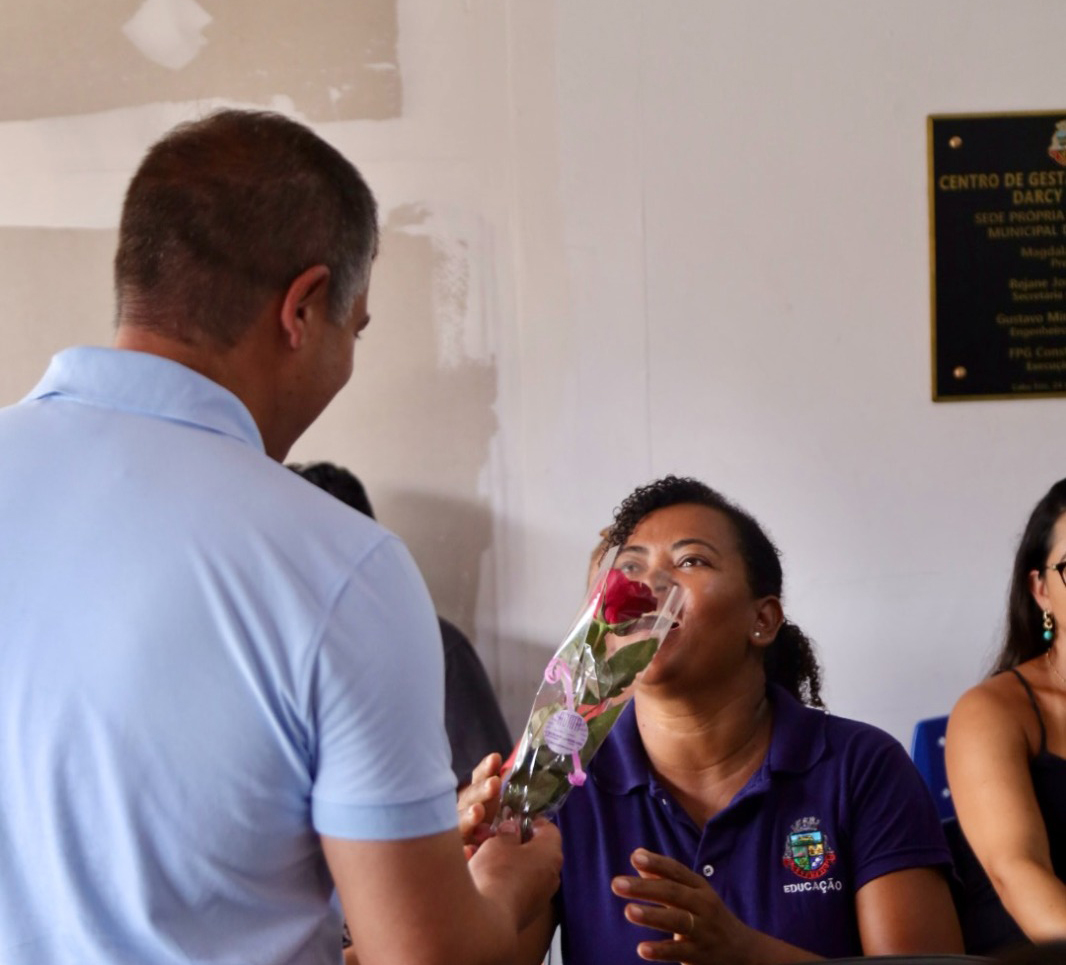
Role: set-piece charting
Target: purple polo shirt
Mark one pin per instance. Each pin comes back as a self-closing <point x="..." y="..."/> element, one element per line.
<point x="835" y="804"/>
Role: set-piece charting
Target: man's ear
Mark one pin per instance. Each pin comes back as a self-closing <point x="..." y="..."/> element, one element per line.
<point x="769" y="616"/>
<point x="306" y="296"/>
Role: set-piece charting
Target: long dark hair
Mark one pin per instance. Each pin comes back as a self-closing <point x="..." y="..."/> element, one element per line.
<point x="790" y="660"/>
<point x="1025" y="630"/>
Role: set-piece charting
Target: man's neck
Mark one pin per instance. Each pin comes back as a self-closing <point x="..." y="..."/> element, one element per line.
<point x="137" y="338"/>
<point x="242" y="369"/>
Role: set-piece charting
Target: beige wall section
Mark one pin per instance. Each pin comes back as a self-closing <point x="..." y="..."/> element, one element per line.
<point x="421" y="419"/>
<point x="416" y="421"/>
<point x="333" y="61"/>
<point x="56" y="292"/>
<point x="622" y="238"/>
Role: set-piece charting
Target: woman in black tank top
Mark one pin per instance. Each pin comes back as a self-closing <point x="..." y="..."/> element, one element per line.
<point x="1007" y="737"/>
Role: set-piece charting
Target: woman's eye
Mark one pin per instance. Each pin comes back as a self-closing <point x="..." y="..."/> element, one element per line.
<point x="629" y="568"/>
<point x="689" y="561"/>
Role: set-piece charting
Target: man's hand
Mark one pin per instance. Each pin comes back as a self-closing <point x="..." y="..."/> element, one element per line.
<point x="524" y="876"/>
<point x="478" y="803"/>
<point x="418" y="901"/>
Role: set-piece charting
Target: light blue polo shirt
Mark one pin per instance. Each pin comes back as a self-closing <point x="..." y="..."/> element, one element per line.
<point x="205" y="662"/>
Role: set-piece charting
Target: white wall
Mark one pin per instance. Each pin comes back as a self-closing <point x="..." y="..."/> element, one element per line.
<point x="745" y="198"/>
<point x="623" y="238"/>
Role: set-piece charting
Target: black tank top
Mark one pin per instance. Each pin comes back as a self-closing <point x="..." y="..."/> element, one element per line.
<point x="986" y="926"/>
<point x="1049" y="784"/>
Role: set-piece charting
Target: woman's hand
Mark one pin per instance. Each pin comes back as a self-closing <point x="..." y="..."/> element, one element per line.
<point x="478" y="803"/>
<point x="705" y="932"/>
<point x="680" y="902"/>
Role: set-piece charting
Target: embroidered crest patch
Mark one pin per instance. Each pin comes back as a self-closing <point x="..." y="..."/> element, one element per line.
<point x="808" y="853"/>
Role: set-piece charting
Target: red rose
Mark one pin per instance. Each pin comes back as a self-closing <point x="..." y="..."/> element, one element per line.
<point x="625" y="600"/>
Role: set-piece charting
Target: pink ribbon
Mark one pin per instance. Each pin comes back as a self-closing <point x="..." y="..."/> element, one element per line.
<point x="555" y="671"/>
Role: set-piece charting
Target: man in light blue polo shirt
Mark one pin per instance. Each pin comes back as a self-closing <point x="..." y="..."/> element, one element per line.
<point x="207" y="665"/>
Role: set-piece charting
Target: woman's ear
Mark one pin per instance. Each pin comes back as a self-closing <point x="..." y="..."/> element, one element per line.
<point x="769" y="616"/>
<point x="1038" y="588"/>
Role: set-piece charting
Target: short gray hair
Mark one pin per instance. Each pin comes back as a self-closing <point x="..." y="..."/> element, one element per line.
<point x="226" y="211"/>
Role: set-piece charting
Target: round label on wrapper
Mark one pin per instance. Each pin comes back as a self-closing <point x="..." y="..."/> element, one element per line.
<point x="566" y="732"/>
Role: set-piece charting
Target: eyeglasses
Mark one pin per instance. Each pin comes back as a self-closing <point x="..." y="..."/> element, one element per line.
<point x="1059" y="568"/>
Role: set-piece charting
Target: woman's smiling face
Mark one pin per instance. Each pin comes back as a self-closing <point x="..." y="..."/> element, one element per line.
<point x="695" y="548"/>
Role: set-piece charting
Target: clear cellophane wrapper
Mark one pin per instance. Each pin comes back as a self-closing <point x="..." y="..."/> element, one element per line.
<point x="586" y="686"/>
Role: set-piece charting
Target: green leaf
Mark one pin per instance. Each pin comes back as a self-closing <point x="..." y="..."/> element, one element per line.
<point x="539" y="784"/>
<point x="591" y="694"/>
<point x="599" y="727"/>
<point x="537" y="720"/>
<point x="547" y="789"/>
<point x="622" y="668"/>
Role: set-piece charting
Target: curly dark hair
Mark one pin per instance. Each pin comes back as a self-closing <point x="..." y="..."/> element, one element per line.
<point x="1025" y="632"/>
<point x="790" y="660"/>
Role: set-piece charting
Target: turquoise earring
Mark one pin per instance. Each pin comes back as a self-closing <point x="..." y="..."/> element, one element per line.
<point x="1049" y="628"/>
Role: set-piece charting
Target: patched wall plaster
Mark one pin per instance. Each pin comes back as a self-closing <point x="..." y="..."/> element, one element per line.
<point x="335" y="61"/>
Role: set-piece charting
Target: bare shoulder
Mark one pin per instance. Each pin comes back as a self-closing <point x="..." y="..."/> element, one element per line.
<point x="996" y="711"/>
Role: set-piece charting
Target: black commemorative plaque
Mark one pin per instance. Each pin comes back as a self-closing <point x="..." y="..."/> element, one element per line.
<point x="997" y="184"/>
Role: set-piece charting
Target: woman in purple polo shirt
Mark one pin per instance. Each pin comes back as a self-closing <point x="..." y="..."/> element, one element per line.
<point x="759" y="828"/>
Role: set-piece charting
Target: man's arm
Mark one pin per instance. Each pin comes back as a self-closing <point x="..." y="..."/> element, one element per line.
<point x="419" y="902"/>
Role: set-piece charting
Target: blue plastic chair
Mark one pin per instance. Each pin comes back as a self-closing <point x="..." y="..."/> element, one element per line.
<point x="927" y="752"/>
<point x="986" y="926"/>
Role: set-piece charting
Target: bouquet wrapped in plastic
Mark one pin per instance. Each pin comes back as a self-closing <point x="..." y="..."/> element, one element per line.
<point x="586" y="685"/>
